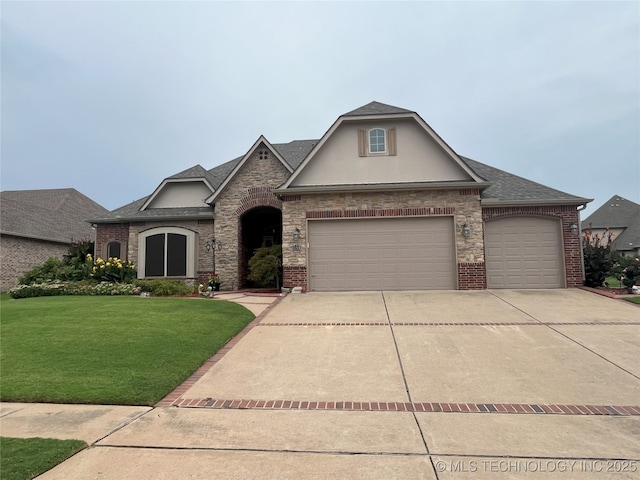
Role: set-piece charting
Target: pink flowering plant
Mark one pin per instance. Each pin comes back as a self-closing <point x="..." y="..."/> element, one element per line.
<point x="598" y="258"/>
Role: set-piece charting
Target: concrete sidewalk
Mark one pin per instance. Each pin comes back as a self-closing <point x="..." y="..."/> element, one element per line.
<point x="382" y="385"/>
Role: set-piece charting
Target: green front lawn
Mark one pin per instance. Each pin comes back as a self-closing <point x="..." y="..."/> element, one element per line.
<point x="108" y="350"/>
<point x="613" y="282"/>
<point x="26" y="458"/>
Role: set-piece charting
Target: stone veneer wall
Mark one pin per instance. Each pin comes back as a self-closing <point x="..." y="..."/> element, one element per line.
<point x="463" y="205"/>
<point x="571" y="242"/>
<point x="250" y="188"/>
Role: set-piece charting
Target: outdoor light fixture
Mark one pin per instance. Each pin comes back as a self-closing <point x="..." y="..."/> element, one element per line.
<point x="574" y="228"/>
<point x="466" y="230"/>
<point x="212" y="246"/>
<point x="296" y="234"/>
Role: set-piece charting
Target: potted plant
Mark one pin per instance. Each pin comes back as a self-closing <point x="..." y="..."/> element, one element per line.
<point x="214" y="282"/>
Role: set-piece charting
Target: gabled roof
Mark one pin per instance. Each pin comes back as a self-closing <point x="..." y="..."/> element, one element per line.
<point x="618" y="212"/>
<point x="58" y="215"/>
<point x="260" y="141"/>
<point x="376" y="108"/>
<point x="195" y="173"/>
<point x="629" y="239"/>
<point x="378" y="111"/>
<point x="497" y="186"/>
<point x="509" y="189"/>
<point x="292" y="153"/>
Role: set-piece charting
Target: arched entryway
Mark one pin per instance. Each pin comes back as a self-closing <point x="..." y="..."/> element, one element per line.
<point x="259" y="227"/>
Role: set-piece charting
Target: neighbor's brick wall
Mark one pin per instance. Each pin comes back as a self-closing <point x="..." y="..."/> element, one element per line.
<point x="250" y="188"/>
<point x="571" y="242"/>
<point x="463" y="205"/>
<point x="19" y="255"/>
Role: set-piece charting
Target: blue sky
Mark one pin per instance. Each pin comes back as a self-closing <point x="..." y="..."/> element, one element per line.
<point x="112" y="97"/>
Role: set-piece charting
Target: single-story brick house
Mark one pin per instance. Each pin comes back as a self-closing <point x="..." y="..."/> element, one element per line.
<point x="38" y="224"/>
<point x="379" y="202"/>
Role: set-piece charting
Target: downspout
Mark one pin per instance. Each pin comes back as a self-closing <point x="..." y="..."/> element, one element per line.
<point x="579" y="209"/>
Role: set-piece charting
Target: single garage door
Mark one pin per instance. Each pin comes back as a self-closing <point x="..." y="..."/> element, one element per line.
<point x="382" y="254"/>
<point x="524" y="252"/>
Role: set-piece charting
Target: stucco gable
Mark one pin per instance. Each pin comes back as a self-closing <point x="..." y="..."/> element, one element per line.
<point x="186" y="189"/>
<point x="419" y="155"/>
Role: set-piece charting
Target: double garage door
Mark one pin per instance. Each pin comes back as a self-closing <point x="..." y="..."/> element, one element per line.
<point x="382" y="254"/>
<point x="524" y="252"/>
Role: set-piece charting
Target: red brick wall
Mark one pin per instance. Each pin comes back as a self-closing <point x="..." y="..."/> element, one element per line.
<point x="112" y="232"/>
<point x="472" y="276"/>
<point x="568" y="214"/>
<point x="294" y="276"/>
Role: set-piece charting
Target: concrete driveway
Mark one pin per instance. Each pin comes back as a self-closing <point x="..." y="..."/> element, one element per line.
<point x="427" y="385"/>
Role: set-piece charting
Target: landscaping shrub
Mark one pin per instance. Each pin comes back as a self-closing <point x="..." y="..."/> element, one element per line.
<point x="165" y="288"/>
<point x="49" y="270"/>
<point x="56" y="288"/>
<point x="73" y="267"/>
<point x="631" y="273"/>
<point x="266" y="265"/>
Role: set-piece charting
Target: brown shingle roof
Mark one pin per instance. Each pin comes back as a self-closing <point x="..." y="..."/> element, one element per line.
<point x="59" y="215"/>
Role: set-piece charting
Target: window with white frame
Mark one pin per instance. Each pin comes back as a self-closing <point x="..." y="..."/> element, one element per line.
<point x="377" y="140"/>
<point x="166" y="252"/>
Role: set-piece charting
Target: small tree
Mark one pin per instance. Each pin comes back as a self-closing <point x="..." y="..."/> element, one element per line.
<point x="597" y="257"/>
<point x="266" y="265"/>
<point x="631" y="273"/>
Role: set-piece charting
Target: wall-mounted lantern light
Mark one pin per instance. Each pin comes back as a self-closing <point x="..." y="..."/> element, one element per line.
<point x="296" y="234"/>
<point x="574" y="228"/>
<point x="465" y="230"/>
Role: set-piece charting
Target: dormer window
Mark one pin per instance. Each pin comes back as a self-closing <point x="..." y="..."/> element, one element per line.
<point x="377" y="140"/>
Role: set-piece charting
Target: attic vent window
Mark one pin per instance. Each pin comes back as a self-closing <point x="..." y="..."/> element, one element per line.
<point x="263" y="154"/>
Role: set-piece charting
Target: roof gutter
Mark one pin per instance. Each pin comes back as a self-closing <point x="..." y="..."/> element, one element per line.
<point x="35" y="237"/>
<point x="379" y="187"/>
<point x="207" y="216"/>
<point x="495" y="202"/>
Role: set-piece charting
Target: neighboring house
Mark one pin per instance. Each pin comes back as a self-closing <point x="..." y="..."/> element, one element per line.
<point x="379" y="202"/>
<point x="38" y="224"/>
<point x="620" y="216"/>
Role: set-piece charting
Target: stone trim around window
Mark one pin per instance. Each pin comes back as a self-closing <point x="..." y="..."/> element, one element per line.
<point x="191" y="248"/>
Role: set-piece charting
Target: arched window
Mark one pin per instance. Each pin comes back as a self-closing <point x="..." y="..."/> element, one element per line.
<point x="377" y="140"/>
<point x="114" y="249"/>
<point x="166" y="252"/>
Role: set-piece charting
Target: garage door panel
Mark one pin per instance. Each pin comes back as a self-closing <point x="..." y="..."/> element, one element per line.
<point x="524" y="252"/>
<point x="375" y="254"/>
